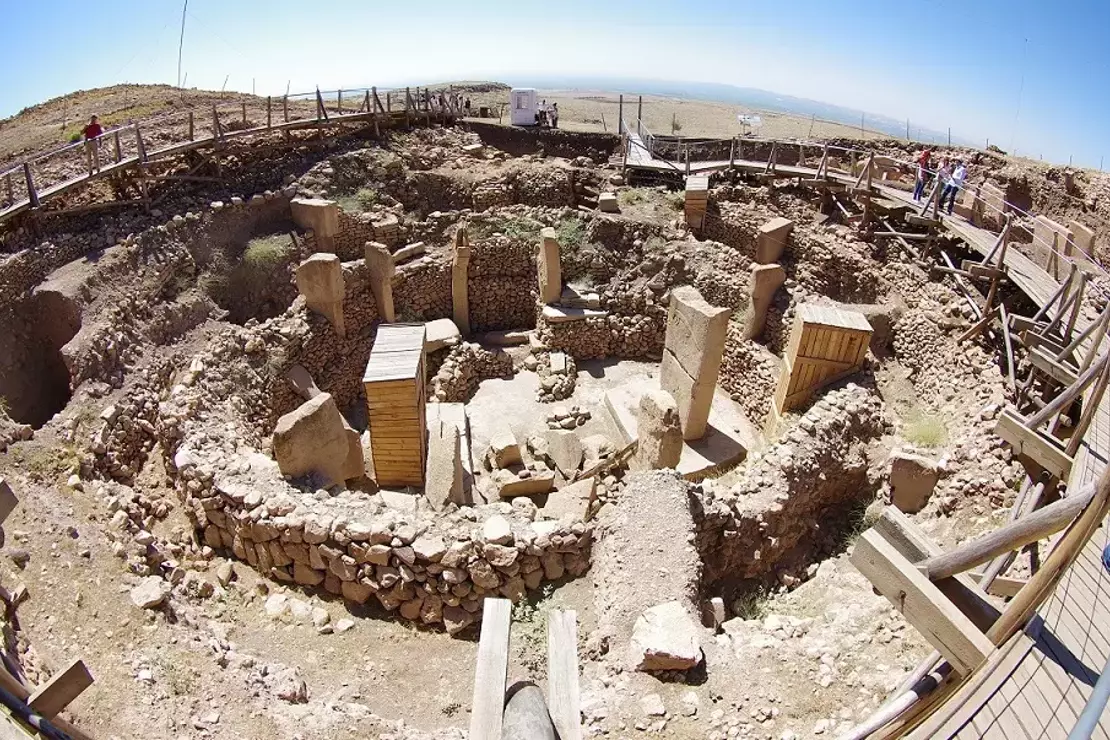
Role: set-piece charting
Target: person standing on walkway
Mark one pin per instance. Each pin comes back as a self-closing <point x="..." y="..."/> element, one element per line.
<point x="923" y="163"/>
<point x="954" y="185"/>
<point x="92" y="134"/>
<point x="554" y="115"/>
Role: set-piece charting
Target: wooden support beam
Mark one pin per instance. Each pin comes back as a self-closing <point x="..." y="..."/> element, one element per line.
<point x="979" y="325"/>
<point x="139" y="143"/>
<point x="1001" y="586"/>
<point x="921" y="603"/>
<point x="1008" y="343"/>
<point x="269" y="112"/>
<point x="914" y="545"/>
<point x="1069" y="395"/>
<point x="492" y="671"/>
<point x="1090" y="408"/>
<point x="963" y="286"/>
<point x="1026" y="440"/>
<point x="1042" y="313"/>
<point x="62" y="688"/>
<point x="32" y="194"/>
<point x="192" y="135"/>
<point x="563" y="697"/>
<point x="903" y="235"/>
<point x="1035" y="526"/>
<point x="9" y="187"/>
<point x="1051" y="367"/>
<point x="116" y="146"/>
<point x="377" y="101"/>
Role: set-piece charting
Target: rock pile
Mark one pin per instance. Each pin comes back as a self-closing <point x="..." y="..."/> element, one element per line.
<point x="466" y="365"/>
<point x="567" y="417"/>
<point x="558" y="376"/>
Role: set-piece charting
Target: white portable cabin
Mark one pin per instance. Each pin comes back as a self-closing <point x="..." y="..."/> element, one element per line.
<point x="524" y="104"/>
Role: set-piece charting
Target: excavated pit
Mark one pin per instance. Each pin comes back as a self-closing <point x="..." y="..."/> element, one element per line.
<point x="34" y="378"/>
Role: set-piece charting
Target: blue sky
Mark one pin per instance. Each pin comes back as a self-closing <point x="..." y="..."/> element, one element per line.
<point x="940" y="63"/>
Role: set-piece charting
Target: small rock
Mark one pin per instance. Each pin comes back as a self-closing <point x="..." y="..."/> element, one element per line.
<point x="652" y="704"/>
<point x="150" y="592"/>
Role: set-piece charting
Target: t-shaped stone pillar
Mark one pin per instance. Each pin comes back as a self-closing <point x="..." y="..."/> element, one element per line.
<point x="658" y="432"/>
<point x="764" y="281"/>
<point x="379" y="265"/>
<point x="460" y="295"/>
<point x="548" y="269"/>
<point x="771" y="241"/>
<point x="692" y="354"/>
<point x="320" y="281"/>
<point x="321" y="216"/>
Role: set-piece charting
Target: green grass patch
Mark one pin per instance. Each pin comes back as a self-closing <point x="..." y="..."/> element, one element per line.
<point x="676" y="201"/>
<point x="925" y="430"/>
<point x="631" y="196"/>
<point x="571" y="232"/>
<point x="529" y="627"/>
<point x="266" y="253"/>
<point x="751" y="605"/>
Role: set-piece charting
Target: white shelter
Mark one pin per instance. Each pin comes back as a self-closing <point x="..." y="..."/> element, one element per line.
<point x="525" y="105"/>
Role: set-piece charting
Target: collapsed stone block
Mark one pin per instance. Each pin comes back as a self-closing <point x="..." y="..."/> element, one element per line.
<point x="460" y="296"/>
<point x="441" y="333"/>
<point x="607" y="203"/>
<point x="443" y="470"/>
<point x="548" y="269"/>
<point x="508" y="484"/>
<point x="312" y="439"/>
<point x="694" y="346"/>
<point x="8" y="500"/>
<point x="380" y="268"/>
<point x="912" y="480"/>
<point x="305" y="386"/>
<point x="503" y="448"/>
<point x="573" y="500"/>
<point x="320" y="281"/>
<point x="659" y="432"/>
<point x="772" y="239"/>
<point x="665" y="638"/>
<point x="317" y="214"/>
<point x="565" y="450"/>
<point x="765" y="280"/>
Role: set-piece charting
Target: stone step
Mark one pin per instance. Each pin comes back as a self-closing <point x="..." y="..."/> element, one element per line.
<point x="574" y="299"/>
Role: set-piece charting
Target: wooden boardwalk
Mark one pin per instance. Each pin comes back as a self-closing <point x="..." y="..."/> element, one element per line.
<point x="385" y="119"/>
<point x="1039" y="681"/>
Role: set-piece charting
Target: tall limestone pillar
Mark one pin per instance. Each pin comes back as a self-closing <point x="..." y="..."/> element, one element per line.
<point x="765" y="280"/>
<point x="658" y="433"/>
<point x="460" y="296"/>
<point x="692" y="353"/>
<point x="320" y="281"/>
<point x="379" y="265"/>
<point x="549" y="271"/>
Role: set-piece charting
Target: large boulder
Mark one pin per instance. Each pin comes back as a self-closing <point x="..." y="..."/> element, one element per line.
<point x="912" y="480"/>
<point x="312" y="439"/>
<point x="665" y="638"/>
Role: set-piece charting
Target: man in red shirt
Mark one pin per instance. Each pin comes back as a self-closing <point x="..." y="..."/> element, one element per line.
<point x="92" y="132"/>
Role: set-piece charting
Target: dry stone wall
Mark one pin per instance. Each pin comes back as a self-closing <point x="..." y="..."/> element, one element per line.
<point x="785" y="507"/>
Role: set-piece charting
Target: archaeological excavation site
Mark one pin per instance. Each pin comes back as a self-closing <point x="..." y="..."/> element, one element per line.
<point x="325" y="423"/>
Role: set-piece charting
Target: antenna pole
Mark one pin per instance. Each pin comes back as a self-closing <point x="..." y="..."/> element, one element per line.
<point x="181" y="41"/>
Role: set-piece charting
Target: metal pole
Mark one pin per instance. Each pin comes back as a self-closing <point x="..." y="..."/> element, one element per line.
<point x="620" y="115"/>
<point x="640" y="108"/>
<point x="181" y="41"/>
<point x="1088" y="719"/>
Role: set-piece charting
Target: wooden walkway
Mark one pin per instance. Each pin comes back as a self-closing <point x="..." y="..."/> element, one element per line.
<point x="36" y="195"/>
<point x="1038" y="682"/>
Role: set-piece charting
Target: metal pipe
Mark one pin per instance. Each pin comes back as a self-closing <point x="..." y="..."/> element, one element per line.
<point x="1088" y="719"/>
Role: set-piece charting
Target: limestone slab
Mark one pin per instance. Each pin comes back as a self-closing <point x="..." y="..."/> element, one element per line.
<point x="549" y="273"/>
<point x="563" y="314"/>
<point x="696" y="332"/>
<point x="320" y="281"/>
<point x="441" y="333"/>
<point x="312" y="439"/>
<point x="771" y="240"/>
<point x="317" y="214"/>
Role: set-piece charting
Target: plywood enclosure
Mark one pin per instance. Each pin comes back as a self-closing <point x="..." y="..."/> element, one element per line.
<point x="697" y="200"/>
<point x="825" y="345"/>
<point x="395" y="396"/>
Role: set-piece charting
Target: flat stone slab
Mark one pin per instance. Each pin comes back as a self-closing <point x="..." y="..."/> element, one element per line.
<point x="562" y="314"/>
<point x="504" y="338"/>
<point x="440" y="333"/>
<point x="728" y="438"/>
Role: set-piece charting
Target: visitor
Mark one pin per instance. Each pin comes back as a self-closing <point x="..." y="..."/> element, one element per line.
<point x="923" y="163"/>
<point x="92" y="134"/>
<point x="543" y="112"/>
<point x="554" y="115"/>
<point x="466" y="106"/>
<point x="943" y="173"/>
<point x="954" y="185"/>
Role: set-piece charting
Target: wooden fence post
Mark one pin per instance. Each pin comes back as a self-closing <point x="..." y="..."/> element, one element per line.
<point x="11" y="190"/>
<point x="190" y="125"/>
<point x="115" y="144"/>
<point x="139" y="143"/>
<point x="285" y="108"/>
<point x="244" y="111"/>
<point x="32" y="194"/>
<point x="269" y="112"/>
<point x="732" y="152"/>
<point x="339" y="95"/>
<point x="215" y="124"/>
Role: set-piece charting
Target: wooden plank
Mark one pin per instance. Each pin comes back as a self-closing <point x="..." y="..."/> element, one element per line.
<point x="563" y="698"/>
<point x="962" y="644"/>
<point x="491" y="672"/>
<point x="1001" y="586"/>
<point x="1050" y="367"/>
<point x="1025" y="441"/>
<point x="62" y="688"/>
